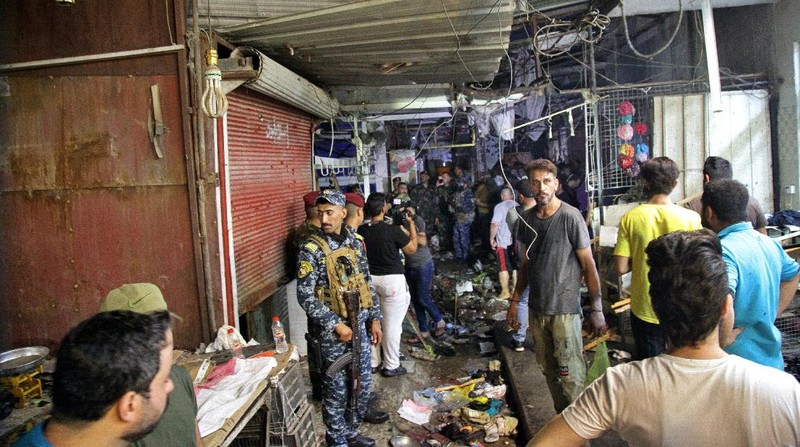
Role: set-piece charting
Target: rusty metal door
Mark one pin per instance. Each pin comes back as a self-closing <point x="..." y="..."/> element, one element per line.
<point x="268" y="171"/>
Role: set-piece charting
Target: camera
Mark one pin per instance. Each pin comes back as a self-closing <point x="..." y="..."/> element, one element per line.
<point x="398" y="212"/>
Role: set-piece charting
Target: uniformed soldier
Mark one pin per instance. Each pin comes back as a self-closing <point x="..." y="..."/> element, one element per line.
<point x="321" y="281"/>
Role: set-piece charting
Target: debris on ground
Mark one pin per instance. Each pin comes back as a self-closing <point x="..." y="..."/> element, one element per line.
<point x="470" y="411"/>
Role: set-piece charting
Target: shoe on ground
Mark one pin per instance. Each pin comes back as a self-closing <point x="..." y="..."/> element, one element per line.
<point x="375" y="416"/>
<point x="375" y="369"/>
<point x="399" y="371"/>
<point x="517" y="346"/>
<point x="359" y="440"/>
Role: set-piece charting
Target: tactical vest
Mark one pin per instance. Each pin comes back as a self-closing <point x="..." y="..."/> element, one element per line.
<point x="338" y="279"/>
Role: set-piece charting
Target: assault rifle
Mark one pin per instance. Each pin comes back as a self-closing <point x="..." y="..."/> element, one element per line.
<point x="353" y="357"/>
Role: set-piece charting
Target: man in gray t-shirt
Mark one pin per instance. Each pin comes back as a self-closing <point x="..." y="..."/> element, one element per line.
<point x="556" y="254"/>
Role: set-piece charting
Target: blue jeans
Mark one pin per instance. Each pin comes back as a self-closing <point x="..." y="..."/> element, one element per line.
<point x="419" y="283"/>
<point x="650" y="341"/>
<point x="522" y="316"/>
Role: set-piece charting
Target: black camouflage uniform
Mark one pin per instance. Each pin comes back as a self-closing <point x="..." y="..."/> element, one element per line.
<point x="311" y="272"/>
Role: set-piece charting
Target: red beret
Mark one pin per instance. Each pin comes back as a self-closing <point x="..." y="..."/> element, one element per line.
<point x="310" y="197"/>
<point x="355" y="199"/>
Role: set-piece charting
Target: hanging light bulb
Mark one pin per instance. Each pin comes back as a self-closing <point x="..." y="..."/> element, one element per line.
<point x="214" y="102"/>
<point x="549" y="128"/>
<point x="571" y="123"/>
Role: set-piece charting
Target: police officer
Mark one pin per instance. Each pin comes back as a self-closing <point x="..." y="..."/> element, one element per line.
<point x="319" y="293"/>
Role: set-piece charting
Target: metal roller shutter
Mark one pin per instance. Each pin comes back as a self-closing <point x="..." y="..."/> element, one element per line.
<point x="269" y="169"/>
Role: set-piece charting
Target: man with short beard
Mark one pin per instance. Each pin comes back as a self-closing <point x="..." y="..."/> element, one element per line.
<point x="111" y="382"/>
<point x="556" y="254"/>
<point x="331" y="262"/>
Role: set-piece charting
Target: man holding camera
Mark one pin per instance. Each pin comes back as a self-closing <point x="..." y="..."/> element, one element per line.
<point x="384" y="242"/>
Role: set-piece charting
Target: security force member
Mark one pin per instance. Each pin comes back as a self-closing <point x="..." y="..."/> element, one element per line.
<point x="330" y="263"/>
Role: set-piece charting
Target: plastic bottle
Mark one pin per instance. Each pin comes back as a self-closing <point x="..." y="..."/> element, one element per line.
<point x="279" y="335"/>
<point x="235" y="345"/>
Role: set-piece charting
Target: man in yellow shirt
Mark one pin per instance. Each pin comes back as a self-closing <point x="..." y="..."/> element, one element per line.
<point x="657" y="217"/>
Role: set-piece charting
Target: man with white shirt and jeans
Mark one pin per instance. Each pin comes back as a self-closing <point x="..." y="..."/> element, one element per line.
<point x="694" y="393"/>
<point x="384" y="241"/>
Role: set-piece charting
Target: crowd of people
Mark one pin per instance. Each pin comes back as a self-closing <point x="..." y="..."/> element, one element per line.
<point x="706" y="290"/>
<point x="704" y="301"/>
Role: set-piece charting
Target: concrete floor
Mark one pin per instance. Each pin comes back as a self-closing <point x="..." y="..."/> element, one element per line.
<point x="528" y="397"/>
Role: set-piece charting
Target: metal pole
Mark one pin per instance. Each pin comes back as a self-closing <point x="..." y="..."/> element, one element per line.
<point x="90" y="58"/>
<point x="596" y="132"/>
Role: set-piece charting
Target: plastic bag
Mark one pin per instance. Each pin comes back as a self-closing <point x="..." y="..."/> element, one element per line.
<point x="600" y="363"/>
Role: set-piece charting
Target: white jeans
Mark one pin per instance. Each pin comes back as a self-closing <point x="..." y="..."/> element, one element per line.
<point x="395" y="298"/>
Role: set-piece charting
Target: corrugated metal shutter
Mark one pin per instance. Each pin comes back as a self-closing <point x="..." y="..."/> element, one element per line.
<point x="269" y="150"/>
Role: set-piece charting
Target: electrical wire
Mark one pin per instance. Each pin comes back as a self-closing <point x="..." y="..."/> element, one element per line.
<point x="590" y="24"/>
<point x="659" y="51"/>
<point x="169" y="27"/>
<point x="458" y="41"/>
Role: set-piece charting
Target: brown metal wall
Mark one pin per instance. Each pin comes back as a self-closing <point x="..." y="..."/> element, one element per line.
<point x="85" y="203"/>
<point x="39" y="30"/>
<point x="269" y="147"/>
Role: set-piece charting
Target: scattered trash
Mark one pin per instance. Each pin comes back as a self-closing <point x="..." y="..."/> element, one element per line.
<point x="424" y="353"/>
<point x="464" y="287"/>
<point x="487" y="348"/>
<point x="413" y="412"/>
<point x="472" y="410"/>
<point x="619" y="355"/>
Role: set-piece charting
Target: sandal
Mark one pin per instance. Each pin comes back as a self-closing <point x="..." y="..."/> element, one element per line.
<point x="414" y="340"/>
<point x="440" y="327"/>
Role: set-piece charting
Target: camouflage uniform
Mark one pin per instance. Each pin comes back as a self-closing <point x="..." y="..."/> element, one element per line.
<point x="312" y="273"/>
<point x="445" y="215"/>
<point x="426" y="202"/>
<point x="464" y="206"/>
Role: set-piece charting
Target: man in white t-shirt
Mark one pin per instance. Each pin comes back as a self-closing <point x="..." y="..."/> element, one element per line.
<point x="500" y="240"/>
<point x="694" y="393"/>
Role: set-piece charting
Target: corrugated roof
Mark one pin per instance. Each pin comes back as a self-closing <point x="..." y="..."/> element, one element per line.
<point x="374" y="42"/>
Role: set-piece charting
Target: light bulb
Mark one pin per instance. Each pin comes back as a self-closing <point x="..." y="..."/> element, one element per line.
<point x="214" y="102"/>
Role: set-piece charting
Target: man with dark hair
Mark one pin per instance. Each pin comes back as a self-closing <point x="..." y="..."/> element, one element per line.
<point x="639" y="226"/>
<point x="331" y="263"/>
<point x="178" y="424"/>
<point x="501" y="242"/>
<point x="384" y="242"/>
<point x="111" y="381"/>
<point x="401" y="192"/>
<point x="557" y="255"/>
<point x="694" y="394"/>
<point x="354" y="204"/>
<point x="527" y="201"/>
<point x="717" y="168"/>
<point x="463" y="204"/>
<point x="762" y="277"/>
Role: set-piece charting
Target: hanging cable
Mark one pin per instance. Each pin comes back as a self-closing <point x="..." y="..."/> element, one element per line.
<point x="659" y="51"/>
<point x="213" y="102"/>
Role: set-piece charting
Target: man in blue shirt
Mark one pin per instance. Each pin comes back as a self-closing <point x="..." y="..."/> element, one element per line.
<point x="762" y="277"/>
<point x="111" y="382"/>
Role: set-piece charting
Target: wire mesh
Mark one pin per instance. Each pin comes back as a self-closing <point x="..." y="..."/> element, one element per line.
<point x="789" y="325"/>
<point x="605" y="168"/>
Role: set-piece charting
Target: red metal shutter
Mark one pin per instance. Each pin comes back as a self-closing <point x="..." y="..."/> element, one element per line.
<point x="269" y="150"/>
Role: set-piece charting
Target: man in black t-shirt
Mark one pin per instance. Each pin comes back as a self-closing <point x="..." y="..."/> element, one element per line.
<point x="384" y="242"/>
